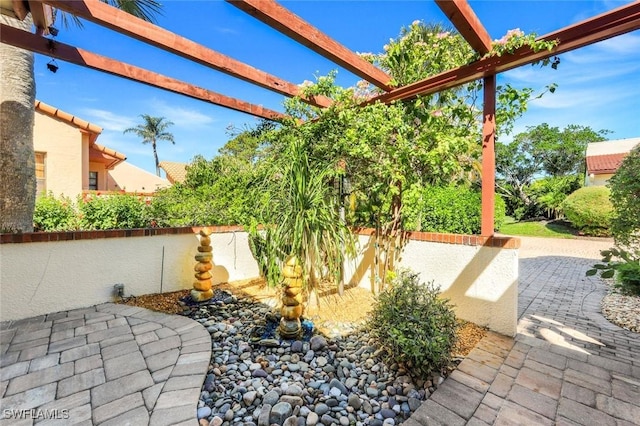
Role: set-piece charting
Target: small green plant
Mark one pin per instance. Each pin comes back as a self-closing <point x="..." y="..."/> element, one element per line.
<point x="54" y="214"/>
<point x="118" y="211"/>
<point x="589" y="210"/>
<point x="414" y="325"/>
<point x="626" y="269"/>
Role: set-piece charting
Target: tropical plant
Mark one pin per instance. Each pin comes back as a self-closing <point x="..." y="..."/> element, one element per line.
<point x="416" y="328"/>
<point x="153" y="130"/>
<point x="302" y="220"/>
<point x="623" y="265"/>
<point x="17" y="111"/>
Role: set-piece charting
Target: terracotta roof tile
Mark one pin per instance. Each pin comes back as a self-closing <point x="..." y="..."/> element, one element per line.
<point x="604" y="164"/>
<point x="79" y="123"/>
<point x="176" y="172"/>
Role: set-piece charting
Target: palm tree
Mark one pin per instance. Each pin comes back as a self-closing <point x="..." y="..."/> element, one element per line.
<point x="17" y="112"/>
<point x="152" y="131"/>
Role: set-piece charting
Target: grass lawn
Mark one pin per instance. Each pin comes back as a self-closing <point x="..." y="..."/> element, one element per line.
<point x="549" y="229"/>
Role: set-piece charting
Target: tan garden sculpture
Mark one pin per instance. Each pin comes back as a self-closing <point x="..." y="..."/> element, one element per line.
<point x="292" y="307"/>
<point x="202" y="290"/>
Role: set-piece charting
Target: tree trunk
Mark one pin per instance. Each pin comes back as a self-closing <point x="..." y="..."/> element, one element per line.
<point x="155" y="157"/>
<point x="17" y="159"/>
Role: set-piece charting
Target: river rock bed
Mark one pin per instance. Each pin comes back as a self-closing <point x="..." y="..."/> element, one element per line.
<point x="256" y="379"/>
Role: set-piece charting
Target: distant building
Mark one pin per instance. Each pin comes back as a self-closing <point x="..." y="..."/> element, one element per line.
<point x="176" y="172"/>
<point x="69" y="161"/>
<point x="604" y="158"/>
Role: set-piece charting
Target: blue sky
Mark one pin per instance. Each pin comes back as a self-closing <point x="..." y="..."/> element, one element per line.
<point x="598" y="86"/>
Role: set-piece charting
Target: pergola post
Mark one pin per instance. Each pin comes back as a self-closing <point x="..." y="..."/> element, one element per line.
<point x="488" y="156"/>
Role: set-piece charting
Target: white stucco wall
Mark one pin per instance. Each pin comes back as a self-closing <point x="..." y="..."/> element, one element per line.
<point x="481" y="281"/>
<point x="43" y="277"/>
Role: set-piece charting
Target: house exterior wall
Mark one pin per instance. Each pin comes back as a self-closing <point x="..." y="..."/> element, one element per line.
<point x="598" y="180"/>
<point x="50" y="272"/>
<point x="103" y="175"/>
<point x="64" y="153"/>
<point x="129" y="178"/>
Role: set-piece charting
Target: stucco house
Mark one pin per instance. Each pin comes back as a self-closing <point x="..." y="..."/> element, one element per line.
<point x="604" y="158"/>
<point x="70" y="162"/>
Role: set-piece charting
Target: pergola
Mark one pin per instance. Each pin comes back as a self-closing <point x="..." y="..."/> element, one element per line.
<point x="607" y="25"/>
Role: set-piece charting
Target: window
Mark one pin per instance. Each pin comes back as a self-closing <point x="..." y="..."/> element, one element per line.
<point x="93" y="181"/>
<point x="41" y="182"/>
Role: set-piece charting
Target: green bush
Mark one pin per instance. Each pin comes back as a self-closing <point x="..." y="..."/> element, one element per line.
<point x="624" y="265"/>
<point x="550" y="192"/>
<point x="589" y="210"/>
<point x="54" y="214"/>
<point x="625" y="197"/>
<point x="415" y="327"/>
<point x="451" y="209"/>
<point x="118" y="211"/>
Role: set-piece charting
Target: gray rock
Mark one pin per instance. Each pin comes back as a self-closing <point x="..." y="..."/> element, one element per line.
<point x="354" y="401"/>
<point x="344" y="421"/>
<point x="296" y="346"/>
<point x="295" y="401"/>
<point x="372" y="392"/>
<point x="312" y="419"/>
<point x="271" y="398"/>
<point x="229" y="415"/>
<point x="204" y="412"/>
<point x="321" y="409"/>
<point x="414" y="404"/>
<point x="321" y="361"/>
<point x="280" y="412"/>
<point x="290" y="421"/>
<point x="294" y="390"/>
<point x="335" y="383"/>
<point x="265" y="414"/>
<point x="259" y="373"/>
<point x="318" y="343"/>
<point x="216" y="421"/>
<point x="387" y="413"/>
<point x="327" y="420"/>
<point x="249" y="397"/>
<point x="270" y="343"/>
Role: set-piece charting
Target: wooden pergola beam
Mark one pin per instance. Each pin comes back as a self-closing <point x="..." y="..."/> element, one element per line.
<point x="124" y="23"/>
<point x="35" y="43"/>
<point x="610" y="24"/>
<point x="467" y="23"/>
<point x="290" y="24"/>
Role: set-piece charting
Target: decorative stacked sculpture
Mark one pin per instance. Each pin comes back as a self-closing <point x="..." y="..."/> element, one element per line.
<point x="202" y="290"/>
<point x="292" y="307"/>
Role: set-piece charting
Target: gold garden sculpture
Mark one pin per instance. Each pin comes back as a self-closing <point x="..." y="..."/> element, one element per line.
<point x="202" y="290"/>
<point x="292" y="298"/>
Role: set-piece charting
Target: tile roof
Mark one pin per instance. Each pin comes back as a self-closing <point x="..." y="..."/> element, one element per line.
<point x="604" y="164"/>
<point x="176" y="172"/>
<point x="92" y="129"/>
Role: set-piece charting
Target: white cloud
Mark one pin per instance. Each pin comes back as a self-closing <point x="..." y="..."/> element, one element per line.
<point x="108" y="120"/>
<point x="181" y="117"/>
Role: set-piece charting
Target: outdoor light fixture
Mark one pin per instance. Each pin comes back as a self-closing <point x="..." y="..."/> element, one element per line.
<point x="53" y="31"/>
<point x="346" y="186"/>
<point x="118" y="290"/>
<point x="52" y="66"/>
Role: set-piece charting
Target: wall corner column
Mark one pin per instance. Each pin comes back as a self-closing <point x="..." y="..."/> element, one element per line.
<point x="488" y="156"/>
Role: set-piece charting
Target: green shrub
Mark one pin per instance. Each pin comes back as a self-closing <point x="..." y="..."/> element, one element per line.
<point x="118" y="211"/>
<point x="624" y="265"/>
<point x="550" y="192"/>
<point x="589" y="210"/>
<point x="54" y="214"/>
<point x="451" y="209"/>
<point x="625" y="197"/>
<point x="415" y="327"/>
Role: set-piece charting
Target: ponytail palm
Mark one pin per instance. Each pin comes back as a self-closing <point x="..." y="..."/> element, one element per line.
<point x="305" y="221"/>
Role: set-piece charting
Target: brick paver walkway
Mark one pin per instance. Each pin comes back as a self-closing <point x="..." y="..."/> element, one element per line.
<point x="105" y="365"/>
<point x="567" y="365"/>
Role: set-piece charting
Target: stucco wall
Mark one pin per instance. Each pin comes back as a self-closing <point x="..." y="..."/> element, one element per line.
<point x="598" y="180"/>
<point x="42" y="277"/>
<point x="130" y="178"/>
<point x="478" y="274"/>
<point x="63" y="161"/>
<point x="480" y="280"/>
